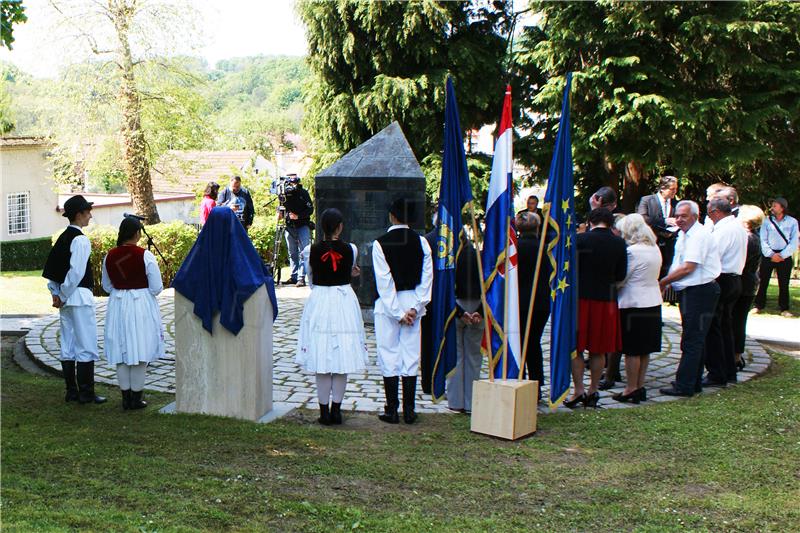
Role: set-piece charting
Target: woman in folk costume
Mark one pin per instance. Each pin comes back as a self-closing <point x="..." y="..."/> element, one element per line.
<point x="331" y="342"/>
<point x="133" y="331"/>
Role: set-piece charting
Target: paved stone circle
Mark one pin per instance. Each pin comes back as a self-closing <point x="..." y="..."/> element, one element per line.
<point x="364" y="390"/>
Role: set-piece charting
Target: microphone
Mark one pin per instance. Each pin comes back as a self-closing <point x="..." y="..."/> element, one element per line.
<point x="131" y="215"/>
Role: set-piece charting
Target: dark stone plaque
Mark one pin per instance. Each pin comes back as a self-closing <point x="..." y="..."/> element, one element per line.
<point x="362" y="185"/>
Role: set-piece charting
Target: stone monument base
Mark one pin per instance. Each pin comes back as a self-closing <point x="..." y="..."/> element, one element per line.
<point x="224" y="374"/>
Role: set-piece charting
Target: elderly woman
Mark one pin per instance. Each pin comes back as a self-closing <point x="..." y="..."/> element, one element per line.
<point x="639" y="301"/>
<point x="751" y="217"/>
<point x="602" y="263"/>
<point x="133" y="330"/>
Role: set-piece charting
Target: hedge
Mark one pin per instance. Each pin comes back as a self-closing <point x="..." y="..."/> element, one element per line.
<point x="174" y="239"/>
<point x="29" y="254"/>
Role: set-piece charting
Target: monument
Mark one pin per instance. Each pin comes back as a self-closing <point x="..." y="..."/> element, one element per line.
<point x="225" y="305"/>
<point x="362" y="185"/>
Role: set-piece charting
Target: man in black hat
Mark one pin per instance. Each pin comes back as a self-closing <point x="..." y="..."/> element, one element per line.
<point x="71" y="283"/>
<point x="403" y="268"/>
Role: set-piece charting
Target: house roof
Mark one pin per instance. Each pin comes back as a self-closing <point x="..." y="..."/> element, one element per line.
<point x="189" y="171"/>
<point x="12" y="141"/>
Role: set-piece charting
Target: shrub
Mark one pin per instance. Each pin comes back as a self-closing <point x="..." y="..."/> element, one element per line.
<point x="29" y="254"/>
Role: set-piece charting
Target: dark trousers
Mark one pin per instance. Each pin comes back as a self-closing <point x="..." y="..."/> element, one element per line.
<point x="697" y="305"/>
<point x="720" y="354"/>
<point x="741" y="310"/>
<point x="784" y="270"/>
<point x="534" y="360"/>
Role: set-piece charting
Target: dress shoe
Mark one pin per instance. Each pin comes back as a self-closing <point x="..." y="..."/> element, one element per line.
<point x="642" y="394"/>
<point x="591" y="400"/>
<point x="290" y="281"/>
<point x="672" y="391"/>
<point x="572" y="404"/>
<point x="300" y="283"/>
<point x="409" y="417"/>
<point x="606" y="384"/>
<point x="707" y="382"/>
<point x="633" y="397"/>
<point x="741" y="364"/>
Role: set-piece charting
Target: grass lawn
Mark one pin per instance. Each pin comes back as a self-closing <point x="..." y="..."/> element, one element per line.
<point x="724" y="462"/>
<point x="24" y="293"/>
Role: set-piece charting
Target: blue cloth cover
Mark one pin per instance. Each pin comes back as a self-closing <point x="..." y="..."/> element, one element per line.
<point x="223" y="269"/>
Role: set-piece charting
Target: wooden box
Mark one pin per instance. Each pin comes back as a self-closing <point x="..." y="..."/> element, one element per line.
<point x="504" y="408"/>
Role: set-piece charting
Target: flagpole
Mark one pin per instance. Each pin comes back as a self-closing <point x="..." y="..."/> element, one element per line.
<point x="505" y="303"/>
<point x="542" y="239"/>
<point x="486" y="333"/>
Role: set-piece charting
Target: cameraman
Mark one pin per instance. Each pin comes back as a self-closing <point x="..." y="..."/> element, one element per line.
<point x="298" y="226"/>
<point x="238" y="198"/>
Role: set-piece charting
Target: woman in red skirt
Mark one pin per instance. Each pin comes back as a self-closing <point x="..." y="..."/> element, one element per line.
<point x="602" y="263"/>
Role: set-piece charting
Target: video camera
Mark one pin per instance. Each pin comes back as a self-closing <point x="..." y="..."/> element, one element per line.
<point x="284" y="186"/>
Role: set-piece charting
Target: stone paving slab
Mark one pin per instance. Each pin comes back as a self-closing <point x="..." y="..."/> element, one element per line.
<point x="365" y="389"/>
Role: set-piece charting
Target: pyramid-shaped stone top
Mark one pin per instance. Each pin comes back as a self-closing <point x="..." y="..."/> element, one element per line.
<point x="386" y="155"/>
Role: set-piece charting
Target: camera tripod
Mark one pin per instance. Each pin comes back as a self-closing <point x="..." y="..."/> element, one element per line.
<point x="280" y="232"/>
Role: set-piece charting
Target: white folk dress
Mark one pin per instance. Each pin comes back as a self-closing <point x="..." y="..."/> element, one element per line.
<point x="134" y="332"/>
<point x="331" y="338"/>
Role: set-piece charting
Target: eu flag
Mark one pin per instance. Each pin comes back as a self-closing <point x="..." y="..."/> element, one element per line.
<point x="454" y="193"/>
<point x="560" y="200"/>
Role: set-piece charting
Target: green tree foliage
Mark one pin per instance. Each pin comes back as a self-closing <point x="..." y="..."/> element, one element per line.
<point x="375" y="62"/>
<point x="12" y="12"/>
<point x="705" y="90"/>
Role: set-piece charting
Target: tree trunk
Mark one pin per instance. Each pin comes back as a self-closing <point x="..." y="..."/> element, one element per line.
<point x="633" y="186"/>
<point x="136" y="165"/>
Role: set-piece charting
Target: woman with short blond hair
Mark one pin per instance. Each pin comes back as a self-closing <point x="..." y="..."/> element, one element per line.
<point x="639" y="301"/>
<point x="751" y="217"/>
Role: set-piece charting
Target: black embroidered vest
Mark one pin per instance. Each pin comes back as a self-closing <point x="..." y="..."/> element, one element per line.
<point x="403" y="252"/>
<point x="327" y="255"/>
<point x="57" y="265"/>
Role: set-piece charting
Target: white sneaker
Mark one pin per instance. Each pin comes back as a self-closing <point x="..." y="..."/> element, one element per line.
<point x="787" y="314"/>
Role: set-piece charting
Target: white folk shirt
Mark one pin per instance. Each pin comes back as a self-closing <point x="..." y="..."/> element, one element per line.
<point x="731" y="240"/>
<point x="696" y="246"/>
<point x="69" y="292"/>
<point x="396" y="304"/>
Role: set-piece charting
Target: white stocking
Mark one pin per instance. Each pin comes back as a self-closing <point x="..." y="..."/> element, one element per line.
<point x="324" y="388"/>
<point x="339" y="386"/>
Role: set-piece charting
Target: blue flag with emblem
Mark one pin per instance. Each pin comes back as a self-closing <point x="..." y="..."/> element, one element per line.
<point x="454" y="193"/>
<point x="563" y="285"/>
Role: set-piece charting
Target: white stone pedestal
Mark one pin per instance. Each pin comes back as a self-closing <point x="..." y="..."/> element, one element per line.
<point x="224" y="374"/>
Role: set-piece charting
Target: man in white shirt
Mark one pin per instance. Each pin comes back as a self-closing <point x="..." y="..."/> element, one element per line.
<point x="401" y="259"/>
<point x="70" y="283"/>
<point x="693" y="275"/>
<point x="730" y="238"/>
<point x="779" y="240"/>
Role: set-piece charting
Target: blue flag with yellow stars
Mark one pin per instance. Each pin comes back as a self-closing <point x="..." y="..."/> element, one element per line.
<point x="560" y="200"/>
<point x="454" y="193"/>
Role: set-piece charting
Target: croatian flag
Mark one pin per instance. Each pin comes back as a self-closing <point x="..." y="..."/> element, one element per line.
<point x="499" y="253"/>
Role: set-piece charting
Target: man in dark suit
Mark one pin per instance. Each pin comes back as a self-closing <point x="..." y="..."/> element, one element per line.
<point x="658" y="211"/>
<point x="527" y="252"/>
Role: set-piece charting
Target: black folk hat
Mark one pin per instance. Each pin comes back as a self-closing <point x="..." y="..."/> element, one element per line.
<point x="75" y="205"/>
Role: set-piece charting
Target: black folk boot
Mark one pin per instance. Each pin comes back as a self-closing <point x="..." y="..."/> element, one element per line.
<point x="390" y="388"/>
<point x="324" y="415"/>
<point x="85" y="374"/>
<point x="409" y="399"/>
<point x="126" y="399"/>
<point x="336" y="413"/>
<point x="136" y="401"/>
<point x="68" y="369"/>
